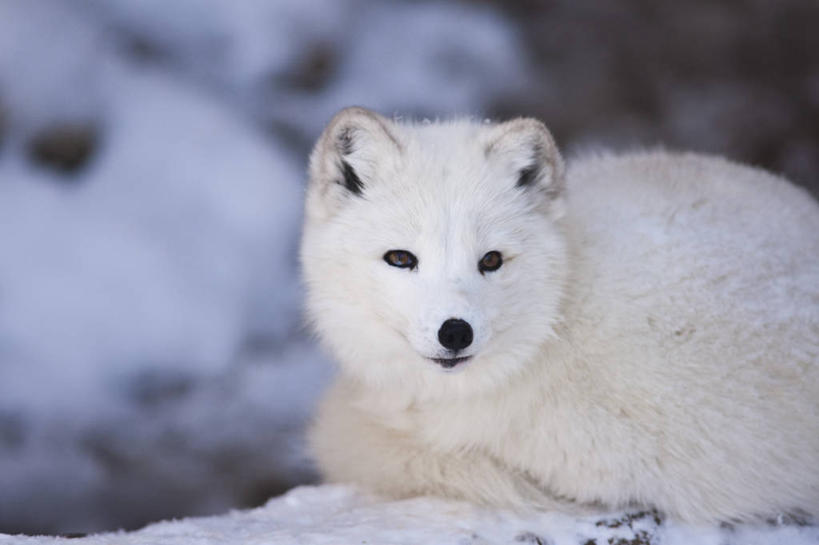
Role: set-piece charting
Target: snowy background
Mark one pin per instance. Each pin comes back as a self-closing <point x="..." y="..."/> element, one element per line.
<point x="153" y="361"/>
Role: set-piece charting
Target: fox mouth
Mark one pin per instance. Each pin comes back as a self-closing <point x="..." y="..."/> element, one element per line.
<point x="449" y="363"/>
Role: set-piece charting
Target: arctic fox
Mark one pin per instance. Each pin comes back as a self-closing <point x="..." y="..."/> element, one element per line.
<point x="639" y="330"/>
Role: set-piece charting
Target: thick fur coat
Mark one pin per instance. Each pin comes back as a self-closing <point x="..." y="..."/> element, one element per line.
<point x="651" y="337"/>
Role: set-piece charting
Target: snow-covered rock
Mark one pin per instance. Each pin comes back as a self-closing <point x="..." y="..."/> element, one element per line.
<point x="152" y="355"/>
<point x="135" y="289"/>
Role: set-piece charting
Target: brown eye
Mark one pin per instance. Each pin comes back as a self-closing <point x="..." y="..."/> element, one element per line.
<point x="492" y="261"/>
<point x="401" y="259"/>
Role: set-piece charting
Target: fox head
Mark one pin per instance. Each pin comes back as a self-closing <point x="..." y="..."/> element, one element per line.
<point x="433" y="253"/>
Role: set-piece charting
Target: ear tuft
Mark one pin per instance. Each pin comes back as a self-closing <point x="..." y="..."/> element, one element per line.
<point x="344" y="142"/>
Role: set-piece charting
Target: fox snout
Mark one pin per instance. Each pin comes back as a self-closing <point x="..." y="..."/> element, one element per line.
<point x="455" y="334"/>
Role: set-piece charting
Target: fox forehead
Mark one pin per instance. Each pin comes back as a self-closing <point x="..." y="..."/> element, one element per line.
<point x="426" y="174"/>
<point x="442" y="182"/>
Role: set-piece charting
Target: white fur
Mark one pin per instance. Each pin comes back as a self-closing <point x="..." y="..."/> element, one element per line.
<point x="651" y="338"/>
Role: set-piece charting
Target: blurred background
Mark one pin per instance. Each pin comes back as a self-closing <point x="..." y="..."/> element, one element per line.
<point x="153" y="359"/>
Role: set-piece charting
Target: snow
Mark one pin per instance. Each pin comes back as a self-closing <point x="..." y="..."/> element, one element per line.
<point x="297" y="63"/>
<point x="340" y="514"/>
<point x="153" y="357"/>
<point x="138" y="286"/>
<point x="53" y="79"/>
<point x="443" y="73"/>
<point x="173" y="254"/>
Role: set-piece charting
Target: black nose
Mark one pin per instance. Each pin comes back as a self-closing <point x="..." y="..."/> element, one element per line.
<point x="455" y="334"/>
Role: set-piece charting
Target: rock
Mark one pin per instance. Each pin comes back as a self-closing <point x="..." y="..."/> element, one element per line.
<point x="66" y="148"/>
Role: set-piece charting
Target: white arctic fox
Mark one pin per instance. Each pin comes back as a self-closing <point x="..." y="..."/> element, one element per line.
<point x="641" y="330"/>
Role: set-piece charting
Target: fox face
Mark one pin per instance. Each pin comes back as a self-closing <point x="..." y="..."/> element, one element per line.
<point x="433" y="254"/>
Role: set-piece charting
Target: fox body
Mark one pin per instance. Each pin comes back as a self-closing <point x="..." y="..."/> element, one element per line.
<point x="630" y="330"/>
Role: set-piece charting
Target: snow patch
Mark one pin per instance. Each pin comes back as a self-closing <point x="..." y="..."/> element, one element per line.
<point x="339" y="514"/>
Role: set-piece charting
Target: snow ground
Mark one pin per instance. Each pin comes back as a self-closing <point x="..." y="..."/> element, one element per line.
<point x="338" y="514"/>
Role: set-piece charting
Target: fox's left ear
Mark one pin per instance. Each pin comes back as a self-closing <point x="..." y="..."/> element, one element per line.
<point x="528" y="151"/>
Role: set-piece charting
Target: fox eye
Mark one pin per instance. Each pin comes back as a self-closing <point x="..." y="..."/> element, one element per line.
<point x="401" y="259"/>
<point x="492" y="261"/>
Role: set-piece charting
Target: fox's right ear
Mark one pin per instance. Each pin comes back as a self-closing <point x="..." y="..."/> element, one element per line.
<point x="346" y="156"/>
